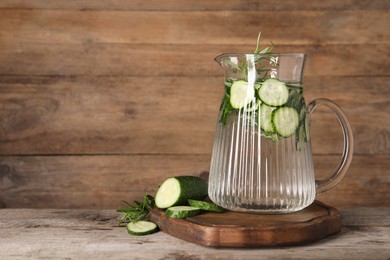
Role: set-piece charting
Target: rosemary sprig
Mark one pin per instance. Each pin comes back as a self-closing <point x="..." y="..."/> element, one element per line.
<point x="242" y="69"/>
<point x="258" y="44"/>
<point x="136" y="212"/>
<point x="242" y="66"/>
<point x="267" y="50"/>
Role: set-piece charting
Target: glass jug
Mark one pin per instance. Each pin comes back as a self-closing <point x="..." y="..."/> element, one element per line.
<point x="262" y="158"/>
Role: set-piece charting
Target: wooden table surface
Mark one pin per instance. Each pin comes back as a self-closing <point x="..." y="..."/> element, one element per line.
<point x="85" y="234"/>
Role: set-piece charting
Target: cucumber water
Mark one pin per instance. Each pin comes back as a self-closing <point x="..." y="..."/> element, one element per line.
<point x="277" y="107"/>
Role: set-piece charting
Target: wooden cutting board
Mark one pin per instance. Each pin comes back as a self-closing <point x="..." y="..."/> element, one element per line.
<point x="236" y="229"/>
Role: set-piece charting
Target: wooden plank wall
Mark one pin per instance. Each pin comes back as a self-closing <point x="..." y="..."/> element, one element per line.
<point x="100" y="101"/>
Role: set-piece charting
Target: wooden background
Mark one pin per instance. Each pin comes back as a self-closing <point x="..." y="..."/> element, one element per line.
<point x="100" y="101"/>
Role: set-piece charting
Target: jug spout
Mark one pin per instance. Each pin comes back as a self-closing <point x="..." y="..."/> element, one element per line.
<point x="231" y="60"/>
<point x="220" y="58"/>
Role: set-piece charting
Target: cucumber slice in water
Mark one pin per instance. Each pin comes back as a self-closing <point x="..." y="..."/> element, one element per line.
<point x="253" y="107"/>
<point x="182" y="212"/>
<point x="285" y="120"/>
<point x="241" y="94"/>
<point x="273" y="92"/>
<point x="204" y="205"/>
<point x="178" y="190"/>
<point x="141" y="228"/>
<point x="266" y="118"/>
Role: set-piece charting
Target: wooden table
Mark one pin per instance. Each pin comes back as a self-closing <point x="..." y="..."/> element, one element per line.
<point x="86" y="234"/>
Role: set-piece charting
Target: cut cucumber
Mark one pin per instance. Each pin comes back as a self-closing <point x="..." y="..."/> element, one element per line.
<point x="273" y="92"/>
<point x="182" y="212"/>
<point x="266" y="118"/>
<point x="285" y="120"/>
<point x="204" y="205"/>
<point x="257" y="86"/>
<point x="178" y="190"/>
<point x="241" y="94"/>
<point x="141" y="228"/>
<point x="253" y="107"/>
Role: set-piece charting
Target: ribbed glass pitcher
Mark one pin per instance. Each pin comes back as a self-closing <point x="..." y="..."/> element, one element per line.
<point x="262" y="158"/>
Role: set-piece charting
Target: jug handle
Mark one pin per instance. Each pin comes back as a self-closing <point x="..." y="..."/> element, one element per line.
<point x="346" y="158"/>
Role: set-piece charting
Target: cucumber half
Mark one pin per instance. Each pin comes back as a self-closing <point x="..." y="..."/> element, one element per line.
<point x="204" y="205"/>
<point x="141" y="228"/>
<point x="178" y="190"/>
<point x="285" y="120"/>
<point x="241" y="94"/>
<point x="182" y="212"/>
<point x="273" y="92"/>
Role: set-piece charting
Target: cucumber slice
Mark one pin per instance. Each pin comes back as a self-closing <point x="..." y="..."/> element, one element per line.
<point x="204" y="205"/>
<point x="141" y="228"/>
<point x="257" y="86"/>
<point x="241" y="94"/>
<point x="285" y="120"/>
<point x="178" y="190"/>
<point x="266" y="118"/>
<point x="273" y="92"/>
<point x="182" y="212"/>
<point x="253" y="107"/>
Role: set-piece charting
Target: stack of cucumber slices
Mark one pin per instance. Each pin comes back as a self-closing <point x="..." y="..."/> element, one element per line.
<point x="275" y="115"/>
<point x="180" y="197"/>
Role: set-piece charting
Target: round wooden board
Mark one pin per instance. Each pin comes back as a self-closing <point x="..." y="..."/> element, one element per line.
<point x="236" y="229"/>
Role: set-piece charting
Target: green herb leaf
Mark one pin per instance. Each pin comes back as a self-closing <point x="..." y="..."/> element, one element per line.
<point x="258" y="44"/>
<point x="138" y="211"/>
<point x="267" y="50"/>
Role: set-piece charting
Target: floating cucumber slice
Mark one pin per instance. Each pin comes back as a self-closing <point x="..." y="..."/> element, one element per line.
<point x="241" y="94"/>
<point x="285" y="120"/>
<point x="273" y="92"/>
<point x="266" y="118"/>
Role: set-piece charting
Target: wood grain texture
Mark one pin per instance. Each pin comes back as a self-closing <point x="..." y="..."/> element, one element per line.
<point x="109" y="115"/>
<point x="196" y="5"/>
<point x="85" y="234"/>
<point x="177" y="60"/>
<point x="165" y="115"/>
<point x="88" y="181"/>
<point x="237" y="229"/>
<point x="283" y="27"/>
<point x="150" y="60"/>
<point x="103" y="181"/>
<point x="85" y="85"/>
